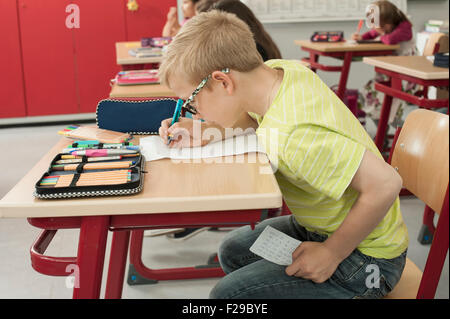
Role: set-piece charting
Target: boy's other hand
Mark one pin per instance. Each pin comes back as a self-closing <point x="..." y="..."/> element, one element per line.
<point x="313" y="261"/>
<point x="356" y="36"/>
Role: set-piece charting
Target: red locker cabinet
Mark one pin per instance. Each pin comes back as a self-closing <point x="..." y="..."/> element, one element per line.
<point x="12" y="103"/>
<point x="149" y="19"/>
<point x="48" y="57"/>
<point x="102" y="24"/>
<point x="54" y="68"/>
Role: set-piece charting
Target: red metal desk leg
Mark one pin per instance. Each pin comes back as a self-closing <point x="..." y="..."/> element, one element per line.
<point x="396" y="84"/>
<point x="313" y="57"/>
<point x="344" y="74"/>
<point x="117" y="264"/>
<point x="91" y="256"/>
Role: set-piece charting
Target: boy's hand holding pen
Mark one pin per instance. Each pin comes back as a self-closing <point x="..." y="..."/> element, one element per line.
<point x="175" y="118"/>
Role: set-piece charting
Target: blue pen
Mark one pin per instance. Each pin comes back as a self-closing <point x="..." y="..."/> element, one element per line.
<point x="86" y="142"/>
<point x="176" y="117"/>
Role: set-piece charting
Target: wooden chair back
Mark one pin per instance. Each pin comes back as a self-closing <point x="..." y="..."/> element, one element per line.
<point x="436" y="43"/>
<point x="421" y="156"/>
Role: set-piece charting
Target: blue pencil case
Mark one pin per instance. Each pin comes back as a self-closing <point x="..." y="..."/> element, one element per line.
<point x="134" y="117"/>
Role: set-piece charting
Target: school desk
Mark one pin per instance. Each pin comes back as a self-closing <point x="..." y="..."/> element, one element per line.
<point x="235" y="192"/>
<point x="140" y="91"/>
<point x="415" y="69"/>
<point x="345" y="51"/>
<point x="129" y="62"/>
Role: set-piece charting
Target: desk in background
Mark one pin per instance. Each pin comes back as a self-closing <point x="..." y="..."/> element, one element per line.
<point x="341" y="50"/>
<point x="415" y="69"/>
<point x="140" y="91"/>
<point x="174" y="195"/>
<point x="129" y="62"/>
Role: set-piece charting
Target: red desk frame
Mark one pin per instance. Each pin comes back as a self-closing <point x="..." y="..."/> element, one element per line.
<point x="346" y="56"/>
<point x="92" y="246"/>
<point x="394" y="89"/>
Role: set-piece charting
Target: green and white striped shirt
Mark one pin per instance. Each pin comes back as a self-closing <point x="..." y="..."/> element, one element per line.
<point x="318" y="147"/>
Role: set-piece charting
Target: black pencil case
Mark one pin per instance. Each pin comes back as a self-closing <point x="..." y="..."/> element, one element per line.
<point x="134" y="117"/>
<point x="133" y="186"/>
<point x="327" y="36"/>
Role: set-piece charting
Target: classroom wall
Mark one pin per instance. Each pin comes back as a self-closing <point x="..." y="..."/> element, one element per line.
<point x="284" y="35"/>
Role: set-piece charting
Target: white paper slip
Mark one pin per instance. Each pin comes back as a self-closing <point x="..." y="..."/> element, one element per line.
<point x="153" y="148"/>
<point x="275" y="246"/>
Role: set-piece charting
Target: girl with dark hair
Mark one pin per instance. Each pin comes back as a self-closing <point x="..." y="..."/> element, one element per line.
<point x="264" y="43"/>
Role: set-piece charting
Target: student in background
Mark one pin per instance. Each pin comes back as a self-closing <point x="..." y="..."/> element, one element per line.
<point x="264" y="43"/>
<point x="395" y="28"/>
<point x="172" y="26"/>
<point x="342" y="194"/>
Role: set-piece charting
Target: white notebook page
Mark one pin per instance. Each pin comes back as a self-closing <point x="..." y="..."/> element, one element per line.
<point x="153" y="148"/>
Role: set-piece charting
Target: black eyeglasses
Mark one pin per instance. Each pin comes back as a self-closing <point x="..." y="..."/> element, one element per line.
<point x="187" y="104"/>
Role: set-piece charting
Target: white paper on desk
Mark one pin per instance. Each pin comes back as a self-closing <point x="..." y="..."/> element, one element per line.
<point x="275" y="246"/>
<point x="153" y="148"/>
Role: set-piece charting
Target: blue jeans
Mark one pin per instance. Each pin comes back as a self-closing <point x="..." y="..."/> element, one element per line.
<point x="250" y="276"/>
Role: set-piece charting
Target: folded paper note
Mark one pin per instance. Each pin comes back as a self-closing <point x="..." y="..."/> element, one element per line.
<point x="153" y="148"/>
<point x="275" y="246"/>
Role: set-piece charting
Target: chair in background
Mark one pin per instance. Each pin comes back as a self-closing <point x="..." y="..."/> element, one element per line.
<point x="436" y="43"/>
<point x="421" y="157"/>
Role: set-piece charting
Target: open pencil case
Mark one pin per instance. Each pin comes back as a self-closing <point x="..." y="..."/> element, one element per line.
<point x="85" y="180"/>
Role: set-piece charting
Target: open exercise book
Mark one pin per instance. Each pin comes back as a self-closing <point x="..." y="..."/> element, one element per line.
<point x="153" y="148"/>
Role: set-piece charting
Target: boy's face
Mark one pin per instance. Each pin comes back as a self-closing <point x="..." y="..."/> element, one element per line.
<point x="216" y="102"/>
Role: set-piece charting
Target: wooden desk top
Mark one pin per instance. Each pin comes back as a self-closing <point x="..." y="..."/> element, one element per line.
<point x="417" y="66"/>
<point x="345" y="46"/>
<point x="168" y="188"/>
<point x="144" y="90"/>
<point x="123" y="57"/>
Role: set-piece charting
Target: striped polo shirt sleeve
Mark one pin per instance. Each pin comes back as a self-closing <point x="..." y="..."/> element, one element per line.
<point x="327" y="161"/>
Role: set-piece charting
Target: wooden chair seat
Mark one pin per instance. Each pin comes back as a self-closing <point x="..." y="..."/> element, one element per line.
<point x="409" y="283"/>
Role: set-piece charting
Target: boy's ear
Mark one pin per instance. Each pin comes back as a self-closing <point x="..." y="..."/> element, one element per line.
<point x="224" y="80"/>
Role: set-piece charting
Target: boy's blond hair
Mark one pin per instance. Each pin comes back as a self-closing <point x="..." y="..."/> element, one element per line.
<point x="209" y="42"/>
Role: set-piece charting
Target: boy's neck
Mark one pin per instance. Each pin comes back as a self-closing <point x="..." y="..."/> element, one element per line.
<point x="259" y="88"/>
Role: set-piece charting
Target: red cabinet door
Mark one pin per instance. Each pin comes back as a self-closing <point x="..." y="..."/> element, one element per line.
<point x="149" y="19"/>
<point x="12" y="103"/>
<point x="48" y="57"/>
<point x="102" y="24"/>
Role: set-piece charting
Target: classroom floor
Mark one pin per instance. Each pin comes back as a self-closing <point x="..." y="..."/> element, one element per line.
<point x="19" y="280"/>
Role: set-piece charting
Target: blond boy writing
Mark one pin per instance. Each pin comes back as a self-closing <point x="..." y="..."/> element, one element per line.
<point x="342" y="195"/>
